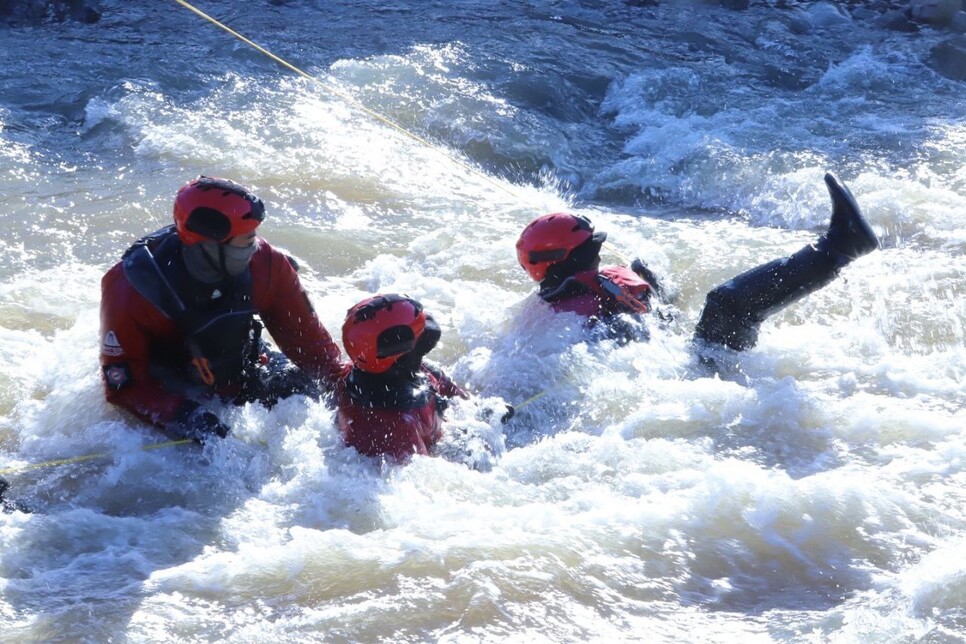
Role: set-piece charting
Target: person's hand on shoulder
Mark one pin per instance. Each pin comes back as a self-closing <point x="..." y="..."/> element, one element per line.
<point x="646" y="274"/>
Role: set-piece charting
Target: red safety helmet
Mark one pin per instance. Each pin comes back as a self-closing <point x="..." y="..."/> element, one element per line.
<point x="211" y="209"/>
<point x="551" y="239"/>
<point x="381" y="329"/>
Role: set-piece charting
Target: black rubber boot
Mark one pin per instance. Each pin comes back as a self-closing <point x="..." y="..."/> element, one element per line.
<point x="849" y="235"/>
<point x="734" y="311"/>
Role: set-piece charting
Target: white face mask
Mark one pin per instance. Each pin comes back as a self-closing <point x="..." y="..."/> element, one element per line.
<point x="211" y="262"/>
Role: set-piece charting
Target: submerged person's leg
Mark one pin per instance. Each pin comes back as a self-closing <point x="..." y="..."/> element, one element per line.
<point x="734" y="311"/>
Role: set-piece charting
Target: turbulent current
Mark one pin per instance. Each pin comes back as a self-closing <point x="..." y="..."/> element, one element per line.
<point x="814" y="493"/>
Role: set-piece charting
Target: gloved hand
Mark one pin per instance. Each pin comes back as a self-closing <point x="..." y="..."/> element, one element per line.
<point x="646" y="274"/>
<point x="510" y="411"/>
<point x="486" y="414"/>
<point x="197" y="424"/>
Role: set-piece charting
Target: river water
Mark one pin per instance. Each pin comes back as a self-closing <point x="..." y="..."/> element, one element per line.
<point x="814" y="494"/>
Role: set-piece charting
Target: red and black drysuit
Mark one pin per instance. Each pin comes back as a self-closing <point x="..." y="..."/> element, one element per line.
<point x="602" y="295"/>
<point x="734" y="311"/>
<point x="165" y="334"/>
<point x="395" y="414"/>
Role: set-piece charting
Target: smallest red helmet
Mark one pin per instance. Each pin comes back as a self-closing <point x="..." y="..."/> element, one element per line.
<point x="551" y="239"/>
<point x="212" y="209"/>
<point x="379" y="330"/>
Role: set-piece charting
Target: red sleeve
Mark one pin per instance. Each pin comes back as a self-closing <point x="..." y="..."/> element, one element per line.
<point x="289" y="317"/>
<point x="129" y="326"/>
<point x="443" y="384"/>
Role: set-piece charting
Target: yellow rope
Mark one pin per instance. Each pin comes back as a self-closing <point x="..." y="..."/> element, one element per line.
<point x="354" y="102"/>
<point x="533" y="398"/>
<point x="374" y="114"/>
<point x="383" y="119"/>
<point x="89" y="457"/>
<point x="554" y="387"/>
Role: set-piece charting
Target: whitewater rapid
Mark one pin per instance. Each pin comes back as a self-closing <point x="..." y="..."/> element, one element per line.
<point x="813" y="494"/>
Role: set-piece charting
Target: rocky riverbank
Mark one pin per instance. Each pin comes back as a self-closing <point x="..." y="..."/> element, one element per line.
<point x="16" y="12"/>
<point x="947" y="58"/>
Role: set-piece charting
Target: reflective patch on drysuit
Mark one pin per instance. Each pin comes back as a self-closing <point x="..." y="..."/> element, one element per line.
<point x="110" y="345"/>
<point x="117" y="376"/>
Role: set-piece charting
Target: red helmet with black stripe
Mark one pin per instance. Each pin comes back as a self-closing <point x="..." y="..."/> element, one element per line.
<point x="379" y="330"/>
<point x="212" y="209"/>
<point x="551" y="239"/>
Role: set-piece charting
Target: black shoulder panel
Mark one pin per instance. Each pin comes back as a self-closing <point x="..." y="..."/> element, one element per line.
<point x="143" y="273"/>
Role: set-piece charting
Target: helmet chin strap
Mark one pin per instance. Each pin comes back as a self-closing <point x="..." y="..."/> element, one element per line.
<point x="220" y="264"/>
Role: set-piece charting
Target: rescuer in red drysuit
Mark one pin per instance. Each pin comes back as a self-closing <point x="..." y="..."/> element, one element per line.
<point x="391" y="403"/>
<point x="561" y="251"/>
<point x="181" y="316"/>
